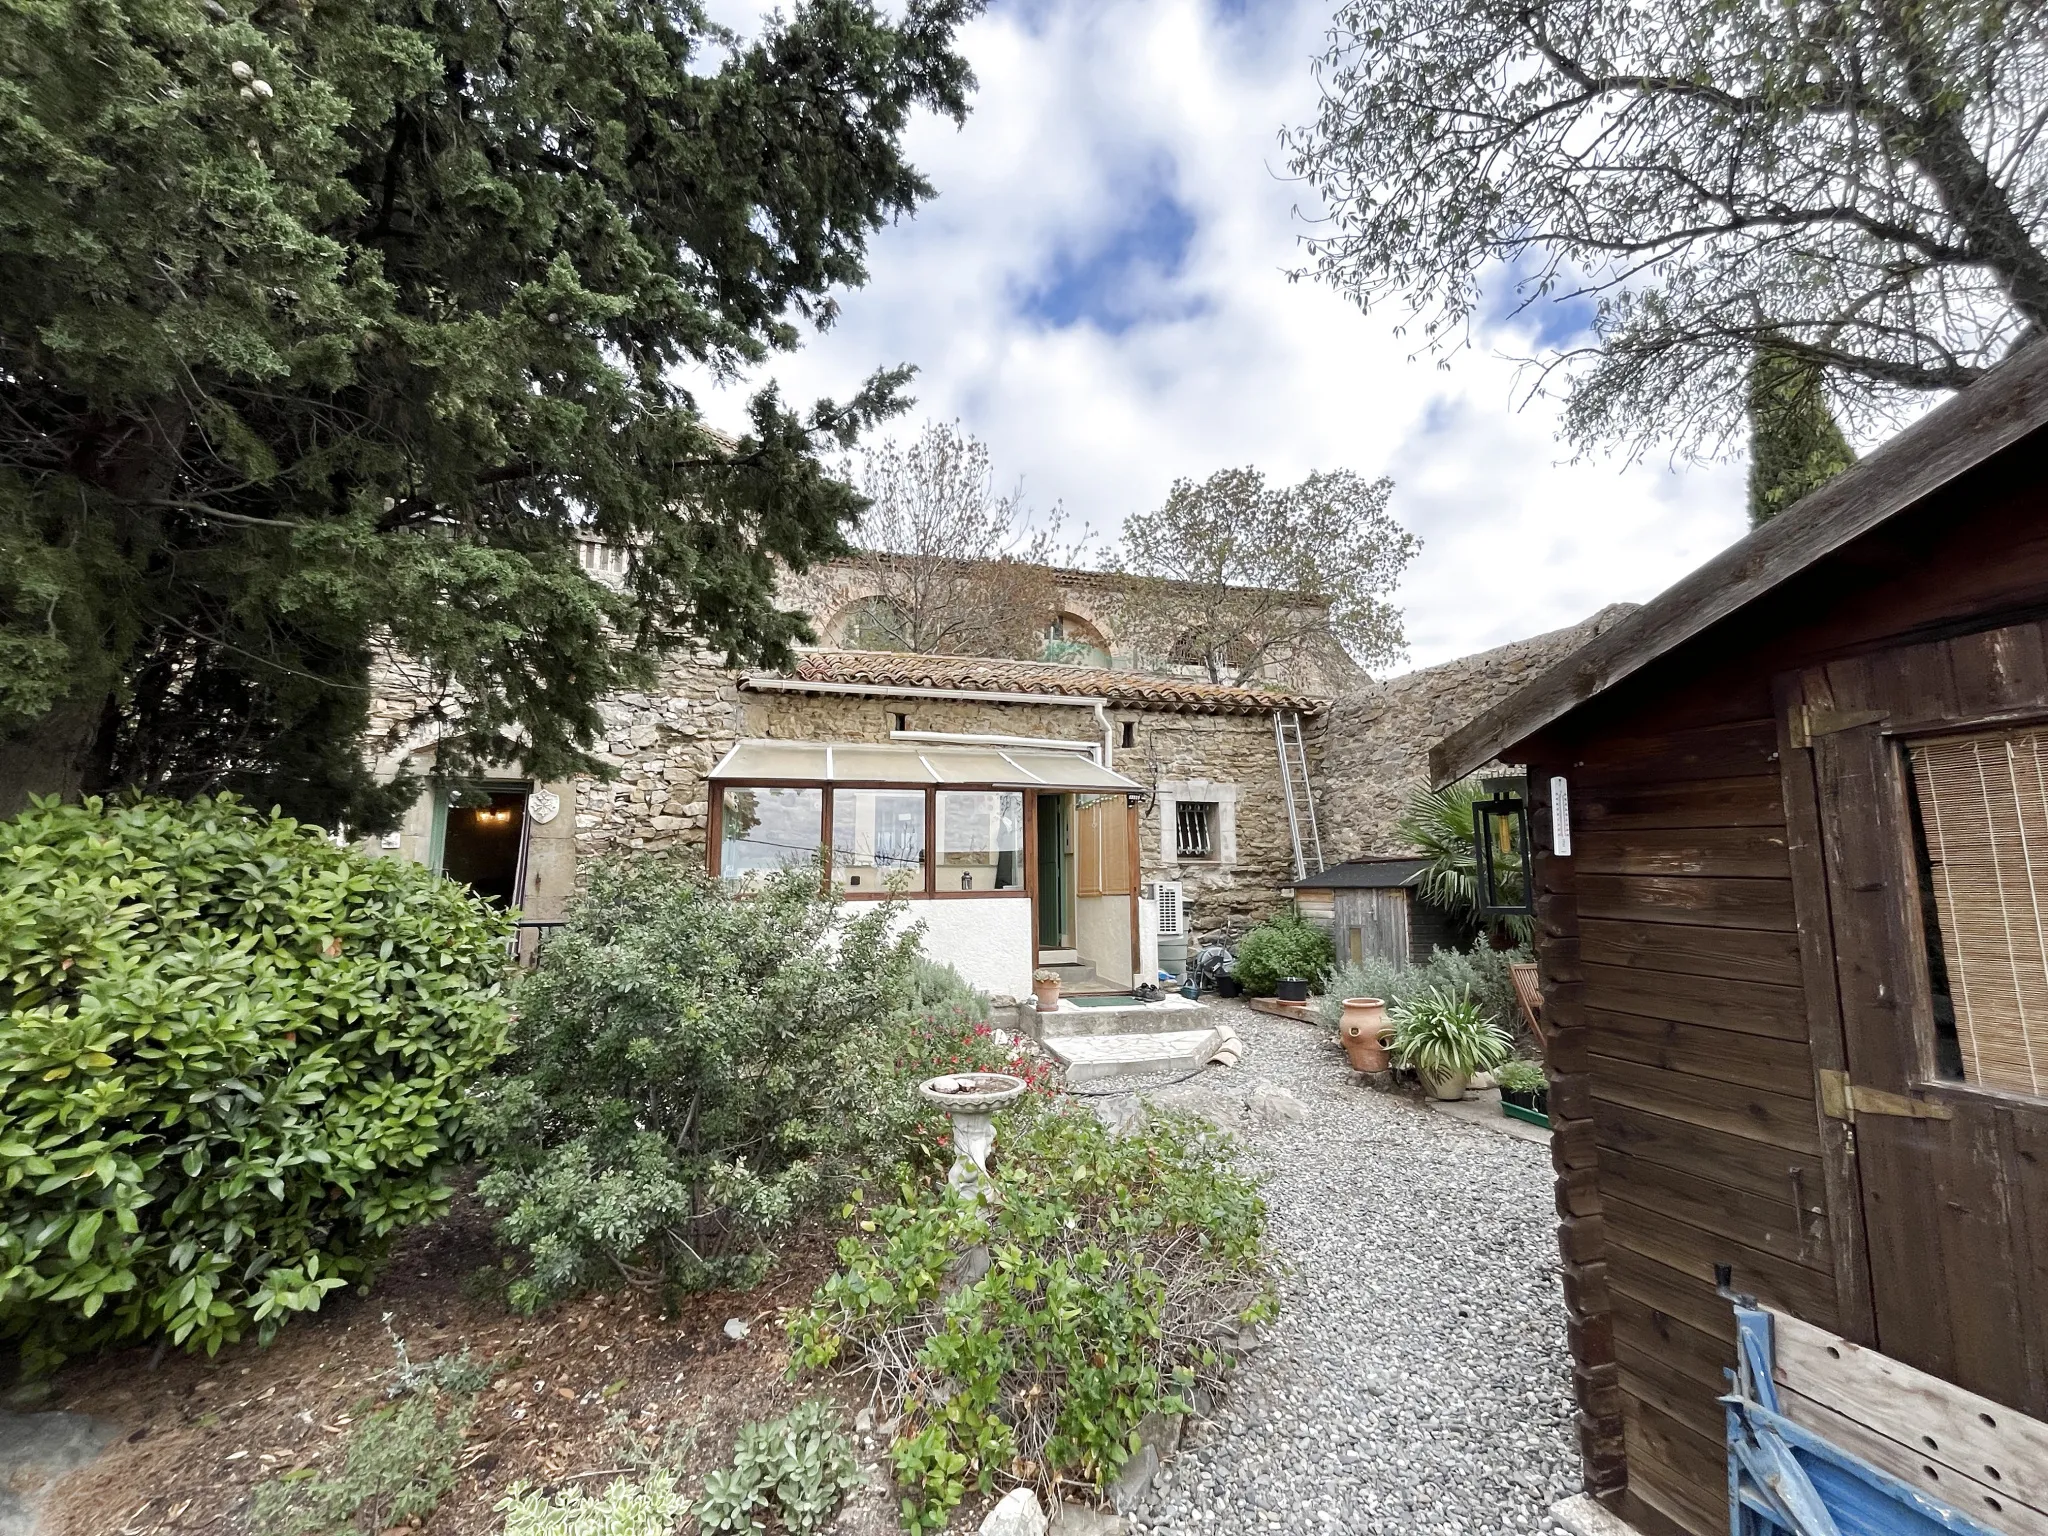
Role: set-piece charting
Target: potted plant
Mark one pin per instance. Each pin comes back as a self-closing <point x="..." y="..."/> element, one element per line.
<point x="1524" y="1091"/>
<point x="1445" y="1036"/>
<point x="1045" y="986"/>
<point x="1363" y="1028"/>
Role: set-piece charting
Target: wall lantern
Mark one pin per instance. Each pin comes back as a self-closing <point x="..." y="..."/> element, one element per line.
<point x="1500" y="840"/>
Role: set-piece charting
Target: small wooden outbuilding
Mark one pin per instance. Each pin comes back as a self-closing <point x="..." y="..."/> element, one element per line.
<point x="1374" y="909"/>
<point x="1790" y="823"/>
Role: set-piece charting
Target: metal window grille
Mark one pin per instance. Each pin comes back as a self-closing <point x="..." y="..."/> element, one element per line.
<point x="1194" y="825"/>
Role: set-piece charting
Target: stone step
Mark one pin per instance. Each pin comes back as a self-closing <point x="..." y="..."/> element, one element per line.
<point x="1088" y="1057"/>
<point x="1133" y="1018"/>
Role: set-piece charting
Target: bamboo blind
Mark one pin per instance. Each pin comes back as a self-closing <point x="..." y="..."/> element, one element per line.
<point x="1984" y="805"/>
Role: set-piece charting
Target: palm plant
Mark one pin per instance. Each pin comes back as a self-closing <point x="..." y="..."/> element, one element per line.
<point x="1438" y="825"/>
<point x="1445" y="1034"/>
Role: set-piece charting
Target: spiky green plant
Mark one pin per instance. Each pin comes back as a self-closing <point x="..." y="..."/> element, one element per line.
<point x="1438" y="825"/>
<point x="1443" y="1033"/>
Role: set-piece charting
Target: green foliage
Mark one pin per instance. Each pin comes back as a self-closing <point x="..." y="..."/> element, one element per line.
<point x="399" y="1464"/>
<point x="936" y="987"/>
<point x="1442" y="1033"/>
<point x="1243" y="578"/>
<point x="1117" y="1269"/>
<point x="332" y="325"/>
<point x="1480" y="972"/>
<point x="1437" y="823"/>
<point x="1521" y="1075"/>
<point x="1279" y="947"/>
<point x="1669" y="187"/>
<point x="1794" y="445"/>
<point x="233" y="1060"/>
<point x="650" y="1506"/>
<point x="693" y="1068"/>
<point x="797" y="1468"/>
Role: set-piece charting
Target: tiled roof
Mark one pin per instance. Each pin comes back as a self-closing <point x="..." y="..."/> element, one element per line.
<point x="981" y="674"/>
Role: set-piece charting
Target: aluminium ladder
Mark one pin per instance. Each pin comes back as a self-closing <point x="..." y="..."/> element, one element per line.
<point x="1301" y="801"/>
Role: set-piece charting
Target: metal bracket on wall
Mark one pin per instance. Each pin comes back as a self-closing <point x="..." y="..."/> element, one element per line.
<point x="1841" y="1099"/>
<point x="1808" y="722"/>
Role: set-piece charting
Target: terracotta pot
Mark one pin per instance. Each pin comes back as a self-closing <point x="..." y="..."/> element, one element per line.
<point x="1363" y="1029"/>
<point x="1448" y="1089"/>
<point x="1048" y="995"/>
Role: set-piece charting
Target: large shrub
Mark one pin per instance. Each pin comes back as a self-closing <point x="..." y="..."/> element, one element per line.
<point x="1279" y="947"/>
<point x="1480" y="972"/>
<point x="233" y="1060"/>
<point x="695" y="1064"/>
<point x="1023" y="1339"/>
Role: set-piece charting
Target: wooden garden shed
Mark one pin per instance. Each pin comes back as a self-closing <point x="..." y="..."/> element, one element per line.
<point x="1374" y="909"/>
<point x="1790" y="835"/>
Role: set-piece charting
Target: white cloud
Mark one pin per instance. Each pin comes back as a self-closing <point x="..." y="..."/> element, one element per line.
<point x="1095" y="119"/>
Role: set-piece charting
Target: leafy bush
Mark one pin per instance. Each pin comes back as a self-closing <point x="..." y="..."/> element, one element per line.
<point x="1117" y="1271"/>
<point x="1481" y="973"/>
<point x="400" y="1463"/>
<point x="935" y="986"/>
<point x="233" y="1060"/>
<point x="650" y="1506"/>
<point x="1443" y="1034"/>
<point x="1279" y="947"/>
<point x="933" y="1042"/>
<point x="798" y="1467"/>
<point x="1521" y="1076"/>
<point x="693" y="1067"/>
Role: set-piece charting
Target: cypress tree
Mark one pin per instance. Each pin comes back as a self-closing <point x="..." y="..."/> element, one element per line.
<point x="1795" y="447"/>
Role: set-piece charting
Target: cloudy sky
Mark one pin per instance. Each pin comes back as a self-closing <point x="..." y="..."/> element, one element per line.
<point x="1100" y="293"/>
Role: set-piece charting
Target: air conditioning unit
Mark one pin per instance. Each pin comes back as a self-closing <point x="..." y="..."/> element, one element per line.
<point x="1165" y="896"/>
<point x="1163" y="930"/>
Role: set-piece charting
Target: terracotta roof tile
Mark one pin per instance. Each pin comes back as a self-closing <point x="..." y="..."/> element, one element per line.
<point x="982" y="674"/>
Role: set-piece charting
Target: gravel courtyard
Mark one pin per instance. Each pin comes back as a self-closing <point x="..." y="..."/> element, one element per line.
<point x="1417" y="1380"/>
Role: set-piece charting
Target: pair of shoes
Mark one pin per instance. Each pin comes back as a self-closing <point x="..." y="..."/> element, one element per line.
<point x="1145" y="992"/>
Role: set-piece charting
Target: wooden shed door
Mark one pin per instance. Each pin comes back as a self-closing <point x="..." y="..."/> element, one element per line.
<point x="1931" y="825"/>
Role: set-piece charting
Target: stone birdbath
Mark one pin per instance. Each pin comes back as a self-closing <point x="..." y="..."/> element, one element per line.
<point x="970" y="1100"/>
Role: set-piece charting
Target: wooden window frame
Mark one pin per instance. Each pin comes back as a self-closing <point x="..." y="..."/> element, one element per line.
<point x="714" y="841"/>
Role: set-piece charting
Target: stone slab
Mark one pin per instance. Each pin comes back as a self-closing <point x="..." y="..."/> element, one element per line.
<point x="1169" y="1013"/>
<point x="1089" y="1057"/>
<point x="1584" y="1515"/>
<point x="1481" y="1107"/>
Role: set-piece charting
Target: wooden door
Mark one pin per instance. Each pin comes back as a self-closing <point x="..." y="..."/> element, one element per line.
<point x="1946" y="1167"/>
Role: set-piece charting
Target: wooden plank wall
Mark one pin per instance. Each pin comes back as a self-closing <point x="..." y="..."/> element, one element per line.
<point x="1682" y="1094"/>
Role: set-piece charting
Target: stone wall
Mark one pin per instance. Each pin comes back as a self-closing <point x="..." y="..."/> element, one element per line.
<point x="1374" y="741"/>
<point x="663" y="744"/>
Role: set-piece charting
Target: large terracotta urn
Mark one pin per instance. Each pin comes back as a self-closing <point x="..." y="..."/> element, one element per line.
<point x="1364" y="1029"/>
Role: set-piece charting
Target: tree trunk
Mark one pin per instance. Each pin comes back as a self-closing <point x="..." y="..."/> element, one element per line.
<point x="51" y="757"/>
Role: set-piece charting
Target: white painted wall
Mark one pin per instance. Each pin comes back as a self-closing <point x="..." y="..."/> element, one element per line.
<point x="1102" y="933"/>
<point x="988" y="941"/>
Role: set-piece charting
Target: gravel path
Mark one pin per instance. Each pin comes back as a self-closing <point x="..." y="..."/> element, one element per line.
<point x="1417" y="1380"/>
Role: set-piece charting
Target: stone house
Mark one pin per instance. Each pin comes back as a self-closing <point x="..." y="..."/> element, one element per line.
<point x="1030" y="813"/>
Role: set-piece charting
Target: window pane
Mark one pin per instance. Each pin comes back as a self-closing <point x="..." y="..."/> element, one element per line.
<point x="1194" y="829"/>
<point x="981" y="840"/>
<point x="762" y="829"/>
<point x="1981" y="822"/>
<point x="878" y="839"/>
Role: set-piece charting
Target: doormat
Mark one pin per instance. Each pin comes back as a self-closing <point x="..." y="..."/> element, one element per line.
<point x="1102" y="1000"/>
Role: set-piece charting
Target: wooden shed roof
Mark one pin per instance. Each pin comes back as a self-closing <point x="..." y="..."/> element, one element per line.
<point x="1965" y="431"/>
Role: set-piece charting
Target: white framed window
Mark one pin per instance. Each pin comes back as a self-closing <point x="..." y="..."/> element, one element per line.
<point x="1197" y="822"/>
<point x="1194" y="830"/>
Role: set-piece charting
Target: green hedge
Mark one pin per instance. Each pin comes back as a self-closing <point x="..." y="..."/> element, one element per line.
<point x="233" y="1058"/>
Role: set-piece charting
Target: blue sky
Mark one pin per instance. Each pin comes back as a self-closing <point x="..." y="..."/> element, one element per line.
<point x="1101" y="293"/>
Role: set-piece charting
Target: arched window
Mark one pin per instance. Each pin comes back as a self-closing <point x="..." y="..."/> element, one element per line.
<point x="1072" y="639"/>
